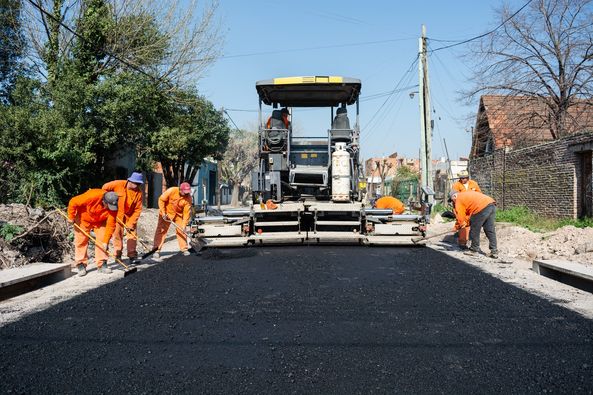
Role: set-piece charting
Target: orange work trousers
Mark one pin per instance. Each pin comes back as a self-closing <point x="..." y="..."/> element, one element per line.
<point x="81" y="242"/>
<point x="118" y="242"/>
<point x="161" y="232"/>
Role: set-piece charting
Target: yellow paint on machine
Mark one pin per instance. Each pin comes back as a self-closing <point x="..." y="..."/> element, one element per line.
<point x="304" y="156"/>
<point x="308" y="80"/>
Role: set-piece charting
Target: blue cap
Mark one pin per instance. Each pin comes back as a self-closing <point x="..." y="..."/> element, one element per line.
<point x="136" y="178"/>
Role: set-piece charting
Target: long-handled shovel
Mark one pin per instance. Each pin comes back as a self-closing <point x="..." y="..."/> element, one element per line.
<point x="195" y="245"/>
<point x="416" y="240"/>
<point x="149" y="251"/>
<point x="127" y="270"/>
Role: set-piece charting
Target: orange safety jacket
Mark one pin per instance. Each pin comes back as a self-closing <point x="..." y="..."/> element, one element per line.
<point x="130" y="202"/>
<point x="472" y="186"/>
<point x="173" y="204"/>
<point x="469" y="203"/>
<point x="89" y="208"/>
<point x="284" y="119"/>
<point x="389" y="202"/>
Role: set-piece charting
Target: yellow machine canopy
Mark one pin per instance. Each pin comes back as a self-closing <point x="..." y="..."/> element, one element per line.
<point x="316" y="91"/>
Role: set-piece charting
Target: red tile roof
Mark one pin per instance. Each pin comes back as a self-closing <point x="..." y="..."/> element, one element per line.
<point x="520" y="121"/>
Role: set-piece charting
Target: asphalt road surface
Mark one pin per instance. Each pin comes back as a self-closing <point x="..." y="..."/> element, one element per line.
<point x="301" y="320"/>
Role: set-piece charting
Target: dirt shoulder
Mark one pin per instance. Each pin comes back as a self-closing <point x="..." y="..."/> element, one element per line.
<point x="520" y="247"/>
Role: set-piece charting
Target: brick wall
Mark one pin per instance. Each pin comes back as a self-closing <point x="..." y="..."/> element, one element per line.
<point x="542" y="177"/>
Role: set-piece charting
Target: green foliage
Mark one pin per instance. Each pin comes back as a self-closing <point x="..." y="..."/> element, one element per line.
<point x="439" y="208"/>
<point x="195" y="131"/>
<point x="11" y="47"/>
<point x="57" y="137"/>
<point x="9" y="231"/>
<point x="526" y="218"/>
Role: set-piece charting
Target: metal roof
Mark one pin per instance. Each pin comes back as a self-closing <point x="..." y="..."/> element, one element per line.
<point x="313" y="91"/>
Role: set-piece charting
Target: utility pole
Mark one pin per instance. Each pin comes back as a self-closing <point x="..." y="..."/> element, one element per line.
<point x="425" y="121"/>
<point x="219" y="174"/>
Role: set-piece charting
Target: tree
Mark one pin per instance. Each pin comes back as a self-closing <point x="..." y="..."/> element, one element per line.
<point x="383" y="167"/>
<point x="239" y="159"/>
<point x="545" y="53"/>
<point x="194" y="131"/>
<point x="11" y="46"/>
<point x="172" y="44"/>
<point x="404" y="175"/>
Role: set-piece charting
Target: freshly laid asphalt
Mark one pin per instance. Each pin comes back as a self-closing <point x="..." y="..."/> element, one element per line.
<point x="329" y="319"/>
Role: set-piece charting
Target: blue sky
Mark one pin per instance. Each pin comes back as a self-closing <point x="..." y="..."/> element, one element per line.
<point x="387" y="32"/>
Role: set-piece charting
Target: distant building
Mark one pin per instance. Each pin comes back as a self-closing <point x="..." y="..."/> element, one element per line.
<point x="392" y="162"/>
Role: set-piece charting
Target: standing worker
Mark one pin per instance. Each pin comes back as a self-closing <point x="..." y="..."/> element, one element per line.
<point x="174" y="206"/>
<point x="93" y="210"/>
<point x="478" y="211"/>
<point x="130" y="207"/>
<point x="389" y="202"/>
<point x="464" y="184"/>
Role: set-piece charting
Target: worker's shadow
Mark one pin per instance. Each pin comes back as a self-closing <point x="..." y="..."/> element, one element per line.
<point x="449" y="243"/>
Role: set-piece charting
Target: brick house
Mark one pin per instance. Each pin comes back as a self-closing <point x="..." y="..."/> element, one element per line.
<point x="516" y="158"/>
<point x="393" y="162"/>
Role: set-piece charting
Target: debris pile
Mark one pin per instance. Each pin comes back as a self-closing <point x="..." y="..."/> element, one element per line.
<point x="30" y="235"/>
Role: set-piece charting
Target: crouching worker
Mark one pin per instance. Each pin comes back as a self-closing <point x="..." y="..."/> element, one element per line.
<point x="478" y="211"/>
<point x="391" y="203"/>
<point x="130" y="207"/>
<point x="174" y="206"/>
<point x="93" y="210"/>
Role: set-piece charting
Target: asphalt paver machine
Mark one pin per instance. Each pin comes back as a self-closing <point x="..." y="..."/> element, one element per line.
<point x="306" y="188"/>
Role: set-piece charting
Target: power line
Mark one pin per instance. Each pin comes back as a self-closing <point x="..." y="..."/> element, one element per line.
<point x="227" y="114"/>
<point x="383" y="94"/>
<point x="306" y="49"/>
<point x="391" y="95"/>
<point x="484" y="34"/>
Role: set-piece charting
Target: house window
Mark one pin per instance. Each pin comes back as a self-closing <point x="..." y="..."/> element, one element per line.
<point x="489" y="147"/>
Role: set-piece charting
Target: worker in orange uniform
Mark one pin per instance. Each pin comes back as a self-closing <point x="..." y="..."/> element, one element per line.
<point x="478" y="211"/>
<point x="462" y="185"/>
<point x="93" y="210"/>
<point x="389" y="202"/>
<point x="279" y="119"/>
<point x="130" y="207"/>
<point x="174" y="206"/>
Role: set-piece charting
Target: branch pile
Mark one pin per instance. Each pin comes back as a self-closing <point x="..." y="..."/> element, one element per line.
<point x="29" y="235"/>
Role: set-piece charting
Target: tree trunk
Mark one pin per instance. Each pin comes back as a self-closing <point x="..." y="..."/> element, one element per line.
<point x="235" y="195"/>
<point x="52" y="55"/>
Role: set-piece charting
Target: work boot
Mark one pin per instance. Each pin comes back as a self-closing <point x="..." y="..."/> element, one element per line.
<point x="104" y="268"/>
<point x="186" y="253"/>
<point x="493" y="255"/>
<point x="134" y="260"/>
<point x="81" y="270"/>
<point x="463" y="247"/>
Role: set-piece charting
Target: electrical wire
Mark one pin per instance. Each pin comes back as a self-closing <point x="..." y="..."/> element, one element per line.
<point x="391" y="95"/>
<point x="306" y="49"/>
<point x="231" y="119"/>
<point x="484" y="34"/>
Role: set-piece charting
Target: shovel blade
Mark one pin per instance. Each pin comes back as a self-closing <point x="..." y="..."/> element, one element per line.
<point x="130" y="270"/>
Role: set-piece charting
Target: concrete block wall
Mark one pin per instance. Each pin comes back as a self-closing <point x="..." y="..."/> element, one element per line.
<point x="542" y="177"/>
